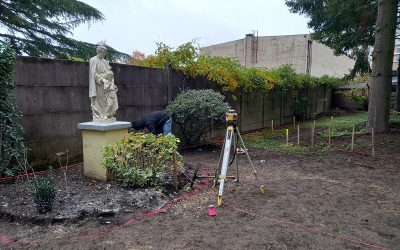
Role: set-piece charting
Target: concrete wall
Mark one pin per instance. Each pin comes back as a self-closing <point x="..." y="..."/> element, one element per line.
<point x="53" y="97"/>
<point x="306" y="56"/>
<point x="279" y="50"/>
<point x="324" y="62"/>
<point x="233" y="49"/>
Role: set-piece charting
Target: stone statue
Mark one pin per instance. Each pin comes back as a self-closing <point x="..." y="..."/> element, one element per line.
<point x="102" y="90"/>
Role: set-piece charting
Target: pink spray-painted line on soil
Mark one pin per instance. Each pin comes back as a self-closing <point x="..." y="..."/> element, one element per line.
<point x="301" y="226"/>
<point x="3" y="179"/>
<point x="6" y="240"/>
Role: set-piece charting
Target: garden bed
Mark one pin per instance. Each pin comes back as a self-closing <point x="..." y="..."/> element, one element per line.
<point x="327" y="199"/>
<point x="87" y="198"/>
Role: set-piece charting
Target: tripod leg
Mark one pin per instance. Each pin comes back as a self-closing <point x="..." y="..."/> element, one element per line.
<point x="251" y="163"/>
<point x="235" y="144"/>
<point x="225" y="162"/>
<point x="218" y="167"/>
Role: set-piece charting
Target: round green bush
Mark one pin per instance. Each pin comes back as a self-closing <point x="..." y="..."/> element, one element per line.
<point x="196" y="112"/>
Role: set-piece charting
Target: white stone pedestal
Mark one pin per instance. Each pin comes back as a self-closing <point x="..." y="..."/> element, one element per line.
<point x="95" y="136"/>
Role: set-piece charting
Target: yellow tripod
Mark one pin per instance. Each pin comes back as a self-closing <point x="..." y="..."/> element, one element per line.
<point x="232" y="135"/>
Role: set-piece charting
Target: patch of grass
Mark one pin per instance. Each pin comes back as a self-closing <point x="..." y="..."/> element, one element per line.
<point x="346" y="145"/>
<point x="340" y="126"/>
<point x="337" y="228"/>
<point x="395" y="117"/>
<point x="274" y="141"/>
<point x="346" y="122"/>
<point x="339" y="122"/>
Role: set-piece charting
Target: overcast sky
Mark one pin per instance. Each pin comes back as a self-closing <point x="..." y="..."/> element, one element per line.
<point x="138" y="24"/>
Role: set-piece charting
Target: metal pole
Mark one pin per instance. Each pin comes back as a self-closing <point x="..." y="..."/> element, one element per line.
<point x="352" y="137"/>
<point x="397" y="97"/>
<point x="235" y="142"/>
<point x="251" y="163"/>
<point x="298" y="135"/>
<point x="247" y="155"/>
<point x="225" y="162"/>
<point x="218" y="167"/>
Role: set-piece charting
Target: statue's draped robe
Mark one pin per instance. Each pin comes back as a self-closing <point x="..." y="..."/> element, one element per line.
<point x="104" y="102"/>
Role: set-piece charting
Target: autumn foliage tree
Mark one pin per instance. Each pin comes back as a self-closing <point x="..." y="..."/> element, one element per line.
<point x="137" y="58"/>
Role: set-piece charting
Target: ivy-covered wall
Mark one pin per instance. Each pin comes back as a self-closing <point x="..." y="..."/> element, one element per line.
<point x="53" y="98"/>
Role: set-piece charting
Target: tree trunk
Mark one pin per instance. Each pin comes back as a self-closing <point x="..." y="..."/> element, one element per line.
<point x="382" y="60"/>
<point x="397" y="97"/>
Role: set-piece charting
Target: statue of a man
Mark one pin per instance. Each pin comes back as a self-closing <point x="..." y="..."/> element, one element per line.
<point x="102" y="90"/>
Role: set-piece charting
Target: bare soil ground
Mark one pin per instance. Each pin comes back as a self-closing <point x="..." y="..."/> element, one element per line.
<point x="336" y="200"/>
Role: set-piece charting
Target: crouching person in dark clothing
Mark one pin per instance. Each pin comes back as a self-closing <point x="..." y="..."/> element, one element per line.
<point x="157" y="122"/>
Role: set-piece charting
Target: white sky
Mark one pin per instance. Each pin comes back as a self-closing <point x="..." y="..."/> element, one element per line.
<point x="138" y="24"/>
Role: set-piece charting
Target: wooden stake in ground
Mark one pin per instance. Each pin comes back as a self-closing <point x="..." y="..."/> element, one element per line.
<point x="298" y="135"/>
<point x="329" y="135"/>
<point x="373" y="142"/>
<point x="272" y="125"/>
<point x="294" y="121"/>
<point x="352" y="137"/>
<point x="287" y="137"/>
<point x="312" y="134"/>
<point x="329" y="132"/>
<point x="175" y="171"/>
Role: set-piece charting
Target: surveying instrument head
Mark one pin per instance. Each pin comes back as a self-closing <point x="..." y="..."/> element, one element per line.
<point x="231" y="118"/>
<point x="227" y="157"/>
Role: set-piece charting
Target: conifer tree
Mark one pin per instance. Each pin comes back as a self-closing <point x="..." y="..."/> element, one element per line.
<point x="41" y="28"/>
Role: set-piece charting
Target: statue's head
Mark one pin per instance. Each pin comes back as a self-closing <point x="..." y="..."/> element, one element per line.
<point x="101" y="51"/>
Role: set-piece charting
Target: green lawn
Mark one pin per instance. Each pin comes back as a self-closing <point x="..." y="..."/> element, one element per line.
<point x="340" y="126"/>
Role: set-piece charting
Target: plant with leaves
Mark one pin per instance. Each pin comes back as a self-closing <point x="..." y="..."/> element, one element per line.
<point x="11" y="132"/>
<point x="44" y="192"/>
<point x="356" y="98"/>
<point x="141" y="160"/>
<point x="227" y="72"/>
<point x="40" y="28"/>
<point x="361" y="78"/>
<point x="197" y="112"/>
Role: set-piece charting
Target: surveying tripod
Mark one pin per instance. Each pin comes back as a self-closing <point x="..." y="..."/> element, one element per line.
<point x="232" y="135"/>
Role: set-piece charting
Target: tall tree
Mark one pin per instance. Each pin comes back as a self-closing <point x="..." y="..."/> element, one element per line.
<point x="350" y="27"/>
<point x="40" y="28"/>
<point x="382" y="61"/>
<point x="345" y="26"/>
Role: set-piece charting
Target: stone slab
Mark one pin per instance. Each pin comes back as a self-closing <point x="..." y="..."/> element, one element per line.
<point x="102" y="126"/>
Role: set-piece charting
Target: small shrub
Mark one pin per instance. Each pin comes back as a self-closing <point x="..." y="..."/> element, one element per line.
<point x="44" y="192"/>
<point x="141" y="160"/>
<point x="196" y="112"/>
<point x="359" y="99"/>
